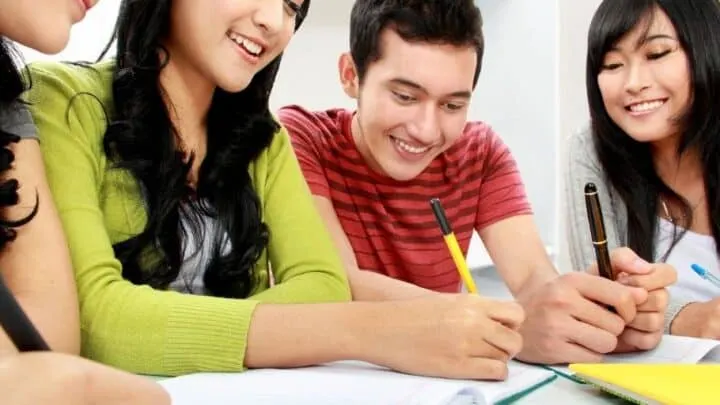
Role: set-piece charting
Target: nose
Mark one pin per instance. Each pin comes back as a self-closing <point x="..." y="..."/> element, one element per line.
<point x="270" y="15"/>
<point x="637" y="78"/>
<point x="426" y="127"/>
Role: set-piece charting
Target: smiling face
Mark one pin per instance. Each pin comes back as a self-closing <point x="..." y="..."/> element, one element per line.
<point x="43" y="25"/>
<point x="412" y="103"/>
<point x="645" y="81"/>
<point x="227" y="42"/>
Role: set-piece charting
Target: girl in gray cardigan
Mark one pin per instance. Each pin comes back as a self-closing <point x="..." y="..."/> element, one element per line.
<point x="653" y="148"/>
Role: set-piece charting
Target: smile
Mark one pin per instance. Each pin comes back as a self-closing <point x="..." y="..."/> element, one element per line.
<point x="410" y="148"/>
<point x="645" y="106"/>
<point x="248" y="45"/>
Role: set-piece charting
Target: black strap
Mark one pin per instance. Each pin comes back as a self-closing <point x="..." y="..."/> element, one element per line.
<point x="16" y="323"/>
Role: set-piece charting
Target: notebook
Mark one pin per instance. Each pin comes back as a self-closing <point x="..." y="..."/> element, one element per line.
<point x="349" y="383"/>
<point x="655" y="384"/>
<point x="671" y="350"/>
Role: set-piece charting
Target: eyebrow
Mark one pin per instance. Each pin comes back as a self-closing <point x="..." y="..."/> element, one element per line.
<point x="646" y="40"/>
<point x="408" y="83"/>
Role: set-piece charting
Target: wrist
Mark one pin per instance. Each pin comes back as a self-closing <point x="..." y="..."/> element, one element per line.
<point x="677" y="317"/>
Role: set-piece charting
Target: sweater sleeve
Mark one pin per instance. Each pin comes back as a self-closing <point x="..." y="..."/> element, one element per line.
<point x="132" y="327"/>
<point x="582" y="166"/>
<point x="305" y="263"/>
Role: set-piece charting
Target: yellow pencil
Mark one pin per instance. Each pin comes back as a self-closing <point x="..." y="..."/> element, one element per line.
<point x="453" y="245"/>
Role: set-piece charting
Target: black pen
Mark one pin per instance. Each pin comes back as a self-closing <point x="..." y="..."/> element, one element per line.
<point x="597" y="230"/>
<point x="16" y="323"/>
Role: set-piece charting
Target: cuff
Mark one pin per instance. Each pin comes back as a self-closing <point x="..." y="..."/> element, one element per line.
<point x="673" y="309"/>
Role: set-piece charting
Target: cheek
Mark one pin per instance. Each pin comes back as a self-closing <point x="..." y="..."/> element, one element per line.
<point x="452" y="128"/>
<point x="611" y="90"/>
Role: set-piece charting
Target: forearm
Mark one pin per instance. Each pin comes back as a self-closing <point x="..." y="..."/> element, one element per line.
<point x="537" y="277"/>
<point x="367" y="285"/>
<point x="46" y="377"/>
<point x="308" y="334"/>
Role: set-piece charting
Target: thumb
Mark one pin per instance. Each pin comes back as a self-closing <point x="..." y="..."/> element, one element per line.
<point x="624" y="260"/>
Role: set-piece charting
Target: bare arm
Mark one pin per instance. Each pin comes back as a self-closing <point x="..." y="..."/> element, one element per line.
<point x="522" y="269"/>
<point x="54" y="378"/>
<point x="366" y="285"/>
<point x="36" y="265"/>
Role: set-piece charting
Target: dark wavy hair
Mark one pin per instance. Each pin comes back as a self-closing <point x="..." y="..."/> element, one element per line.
<point x="454" y="22"/>
<point x="141" y="139"/>
<point x="628" y="163"/>
<point x="11" y="87"/>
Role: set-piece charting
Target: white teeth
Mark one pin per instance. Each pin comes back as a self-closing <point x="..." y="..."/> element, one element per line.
<point x="408" y="148"/>
<point x="250" y="46"/>
<point x="643" y="107"/>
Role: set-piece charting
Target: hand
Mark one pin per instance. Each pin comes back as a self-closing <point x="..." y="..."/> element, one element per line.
<point x="645" y="331"/>
<point x="567" y="321"/>
<point x="699" y="319"/>
<point x="452" y="336"/>
<point x="51" y="377"/>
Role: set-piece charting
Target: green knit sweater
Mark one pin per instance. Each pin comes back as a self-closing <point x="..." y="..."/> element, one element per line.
<point x="137" y="328"/>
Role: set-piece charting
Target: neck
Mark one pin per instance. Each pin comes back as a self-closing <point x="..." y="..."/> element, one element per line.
<point x="362" y="146"/>
<point x="675" y="169"/>
<point x="188" y="96"/>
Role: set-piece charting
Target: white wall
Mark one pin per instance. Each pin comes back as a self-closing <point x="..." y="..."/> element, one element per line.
<point x="574" y="20"/>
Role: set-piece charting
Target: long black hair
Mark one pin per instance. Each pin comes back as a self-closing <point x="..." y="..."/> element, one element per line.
<point x="141" y="139"/>
<point x="11" y="87"/>
<point x="628" y="163"/>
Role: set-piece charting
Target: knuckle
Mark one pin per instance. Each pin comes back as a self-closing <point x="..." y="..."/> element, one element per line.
<point x="662" y="298"/>
<point x="497" y="370"/>
<point x="655" y="321"/>
<point x="648" y="341"/>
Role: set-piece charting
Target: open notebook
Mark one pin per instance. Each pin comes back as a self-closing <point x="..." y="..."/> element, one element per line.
<point x="671" y="350"/>
<point x="655" y="384"/>
<point x="348" y="383"/>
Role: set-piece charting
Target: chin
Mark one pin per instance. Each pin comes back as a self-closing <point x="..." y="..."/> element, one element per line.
<point x="51" y="45"/>
<point x="234" y="84"/>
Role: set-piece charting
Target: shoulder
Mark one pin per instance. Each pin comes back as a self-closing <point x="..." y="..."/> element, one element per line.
<point x="580" y="143"/>
<point x="60" y="78"/>
<point x="479" y="143"/>
<point x="71" y="95"/>
<point x="312" y="126"/>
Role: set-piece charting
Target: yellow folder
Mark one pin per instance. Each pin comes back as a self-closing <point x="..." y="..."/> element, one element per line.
<point x="666" y="384"/>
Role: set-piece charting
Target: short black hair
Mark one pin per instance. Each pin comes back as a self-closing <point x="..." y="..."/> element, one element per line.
<point x="454" y="22"/>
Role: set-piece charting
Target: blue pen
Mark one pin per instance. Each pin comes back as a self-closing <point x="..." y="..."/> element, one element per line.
<point x="707" y="276"/>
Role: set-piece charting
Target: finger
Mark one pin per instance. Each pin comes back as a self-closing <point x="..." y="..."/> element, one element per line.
<point x="623" y="299"/>
<point x="508" y="313"/>
<point x="593" y="314"/>
<point x="592" y="338"/>
<point x="662" y="276"/>
<point x="507" y="341"/>
<point x="634" y="340"/>
<point x="648" y="322"/>
<point x="625" y="260"/>
<point x="479" y="368"/>
<point x="657" y="301"/>
<point x="568" y="352"/>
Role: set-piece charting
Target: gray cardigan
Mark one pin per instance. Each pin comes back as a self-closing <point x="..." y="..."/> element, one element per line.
<point x="582" y="166"/>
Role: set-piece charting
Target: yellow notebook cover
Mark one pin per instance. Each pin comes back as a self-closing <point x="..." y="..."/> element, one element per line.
<point x="666" y="384"/>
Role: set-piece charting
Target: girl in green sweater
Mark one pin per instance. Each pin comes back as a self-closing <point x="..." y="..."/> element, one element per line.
<point x="190" y="226"/>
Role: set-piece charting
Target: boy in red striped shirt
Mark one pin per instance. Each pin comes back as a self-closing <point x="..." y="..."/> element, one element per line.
<point x="412" y="68"/>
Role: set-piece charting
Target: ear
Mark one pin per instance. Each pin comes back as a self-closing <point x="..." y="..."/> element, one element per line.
<point x="348" y="75"/>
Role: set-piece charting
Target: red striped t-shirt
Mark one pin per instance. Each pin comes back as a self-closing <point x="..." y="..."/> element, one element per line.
<point x="389" y="223"/>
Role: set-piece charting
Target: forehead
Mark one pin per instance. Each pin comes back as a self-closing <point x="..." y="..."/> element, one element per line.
<point x="656" y="22"/>
<point x="439" y="68"/>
